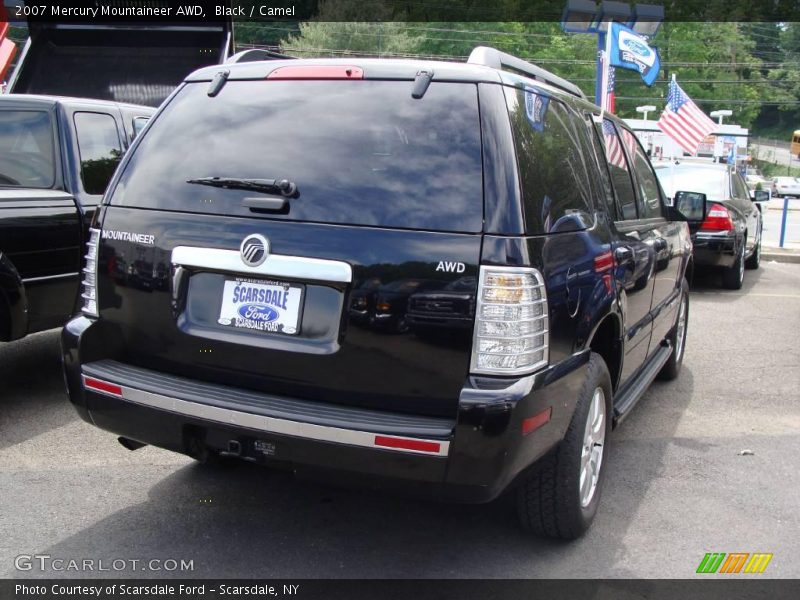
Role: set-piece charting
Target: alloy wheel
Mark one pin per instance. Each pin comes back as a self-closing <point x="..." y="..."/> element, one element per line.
<point x="594" y="437"/>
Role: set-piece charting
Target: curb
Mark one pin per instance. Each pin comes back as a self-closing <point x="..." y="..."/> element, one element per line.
<point x="779" y="255"/>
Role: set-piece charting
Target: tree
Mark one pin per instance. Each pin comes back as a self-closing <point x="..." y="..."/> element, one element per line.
<point x="331" y="34"/>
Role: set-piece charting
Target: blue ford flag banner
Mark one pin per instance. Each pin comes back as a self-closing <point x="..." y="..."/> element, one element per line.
<point x="631" y="51"/>
<point x="536" y="108"/>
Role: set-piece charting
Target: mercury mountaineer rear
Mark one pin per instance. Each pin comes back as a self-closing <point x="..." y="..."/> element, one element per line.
<point x="275" y="215"/>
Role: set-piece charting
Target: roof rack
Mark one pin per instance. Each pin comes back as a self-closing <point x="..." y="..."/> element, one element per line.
<point x="256" y="54"/>
<point x="491" y="57"/>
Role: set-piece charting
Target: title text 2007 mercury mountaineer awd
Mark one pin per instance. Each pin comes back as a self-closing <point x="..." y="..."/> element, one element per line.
<point x="294" y="207"/>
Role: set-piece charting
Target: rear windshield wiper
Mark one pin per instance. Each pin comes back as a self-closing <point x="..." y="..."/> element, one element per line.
<point x="284" y="187"/>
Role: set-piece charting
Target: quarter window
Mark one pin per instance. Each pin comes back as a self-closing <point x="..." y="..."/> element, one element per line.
<point x="608" y="192"/>
<point x="100" y="149"/>
<point x="138" y="124"/>
<point x="619" y="169"/>
<point x="650" y="207"/>
<point x="739" y="187"/>
<point x="554" y="164"/>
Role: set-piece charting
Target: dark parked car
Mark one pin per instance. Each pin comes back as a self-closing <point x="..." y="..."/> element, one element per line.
<point x="452" y="307"/>
<point x="396" y="170"/>
<point x="730" y="236"/>
<point x="391" y="302"/>
<point x="56" y="158"/>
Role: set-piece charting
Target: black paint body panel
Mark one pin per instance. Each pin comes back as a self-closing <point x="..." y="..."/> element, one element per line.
<point x="343" y="356"/>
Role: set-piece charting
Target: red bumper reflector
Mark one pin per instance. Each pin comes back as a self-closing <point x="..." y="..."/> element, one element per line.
<point x="317" y="72"/>
<point x="407" y="444"/>
<point x="102" y="386"/>
<point x="533" y="423"/>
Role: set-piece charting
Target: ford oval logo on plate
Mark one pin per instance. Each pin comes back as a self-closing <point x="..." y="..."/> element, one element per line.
<point x="258" y="312"/>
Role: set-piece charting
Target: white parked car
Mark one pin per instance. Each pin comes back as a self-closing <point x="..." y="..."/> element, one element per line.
<point x="786" y="186"/>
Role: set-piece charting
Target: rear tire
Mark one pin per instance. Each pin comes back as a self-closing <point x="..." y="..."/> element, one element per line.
<point x="755" y="259"/>
<point x="733" y="276"/>
<point x="558" y="497"/>
<point x="677" y="338"/>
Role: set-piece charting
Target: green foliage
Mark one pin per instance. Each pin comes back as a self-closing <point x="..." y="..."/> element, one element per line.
<point x="770" y="169"/>
<point x="331" y="34"/>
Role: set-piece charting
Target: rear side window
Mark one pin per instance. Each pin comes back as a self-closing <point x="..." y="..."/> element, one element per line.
<point x="650" y="207"/>
<point x="27" y="157"/>
<point x="619" y="169"/>
<point x="554" y="162"/>
<point x="608" y="193"/>
<point x="100" y="149"/>
<point x="360" y="152"/>
<point x="739" y="187"/>
<point x="138" y="124"/>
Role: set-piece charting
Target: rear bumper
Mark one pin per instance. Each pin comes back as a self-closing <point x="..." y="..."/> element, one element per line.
<point x="471" y="458"/>
<point x="714" y="250"/>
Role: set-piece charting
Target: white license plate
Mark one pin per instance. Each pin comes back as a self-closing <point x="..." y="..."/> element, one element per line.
<point x="261" y="305"/>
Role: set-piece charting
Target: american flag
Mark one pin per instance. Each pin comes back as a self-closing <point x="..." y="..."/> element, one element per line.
<point x="613" y="147"/>
<point x="683" y="121"/>
<point x="612" y="80"/>
<point x="614" y="152"/>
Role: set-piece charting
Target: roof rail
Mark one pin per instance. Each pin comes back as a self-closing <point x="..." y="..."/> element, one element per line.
<point x="491" y="57"/>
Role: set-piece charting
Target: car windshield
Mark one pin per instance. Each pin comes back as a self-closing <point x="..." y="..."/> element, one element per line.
<point x="690" y="178"/>
<point x="26" y="149"/>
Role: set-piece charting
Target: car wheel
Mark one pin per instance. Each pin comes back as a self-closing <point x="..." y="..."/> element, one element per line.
<point x="755" y="259"/>
<point x="677" y="338"/>
<point x="733" y="276"/>
<point x="558" y="497"/>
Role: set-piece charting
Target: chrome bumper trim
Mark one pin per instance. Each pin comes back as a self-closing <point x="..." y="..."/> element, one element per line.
<point x="275" y="265"/>
<point x="377" y="441"/>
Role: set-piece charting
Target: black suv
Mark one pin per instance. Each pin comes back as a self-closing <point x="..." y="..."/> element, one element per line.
<point x="267" y="190"/>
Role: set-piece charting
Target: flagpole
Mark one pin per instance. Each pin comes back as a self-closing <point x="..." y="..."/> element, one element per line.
<point x="606" y="64"/>
<point x="672" y="158"/>
<point x="671" y="141"/>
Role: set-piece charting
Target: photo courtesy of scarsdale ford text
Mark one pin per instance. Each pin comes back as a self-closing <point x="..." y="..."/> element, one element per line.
<point x="172" y="590"/>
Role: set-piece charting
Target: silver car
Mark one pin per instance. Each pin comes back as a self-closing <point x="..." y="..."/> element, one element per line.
<point x="786" y="186"/>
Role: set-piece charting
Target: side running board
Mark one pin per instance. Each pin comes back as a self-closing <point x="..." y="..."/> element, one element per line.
<point x="624" y="403"/>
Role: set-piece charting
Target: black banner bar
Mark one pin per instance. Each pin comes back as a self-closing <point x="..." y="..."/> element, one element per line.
<point x="729" y="588"/>
<point x="203" y="11"/>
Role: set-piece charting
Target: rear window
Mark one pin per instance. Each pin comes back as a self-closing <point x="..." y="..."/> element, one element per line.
<point x="360" y="152"/>
<point x="709" y="181"/>
<point x="27" y="157"/>
<point x="100" y="149"/>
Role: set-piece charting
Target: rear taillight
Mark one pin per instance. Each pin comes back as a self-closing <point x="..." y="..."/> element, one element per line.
<point x="89" y="283"/>
<point x="717" y="219"/>
<point x="511" y="336"/>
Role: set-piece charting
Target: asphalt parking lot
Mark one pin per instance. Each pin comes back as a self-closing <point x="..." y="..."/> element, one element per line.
<point x="678" y="485"/>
